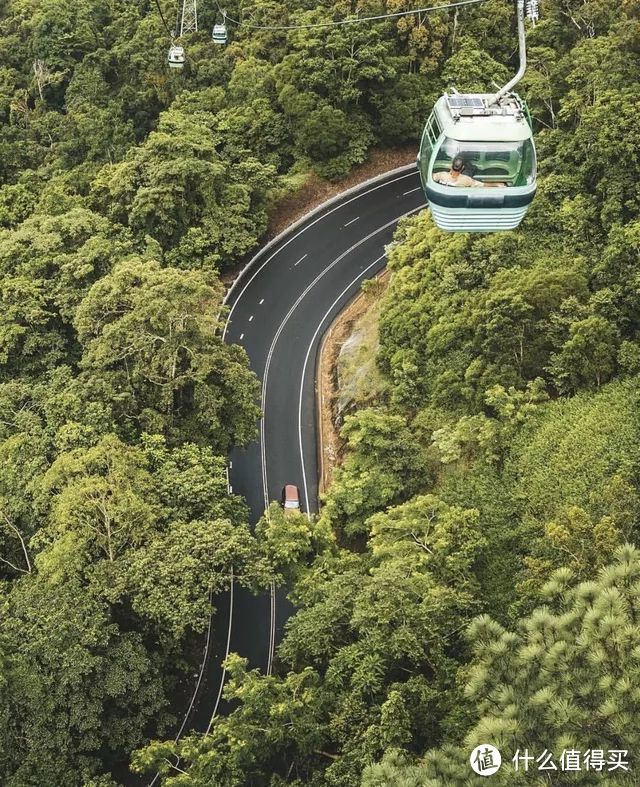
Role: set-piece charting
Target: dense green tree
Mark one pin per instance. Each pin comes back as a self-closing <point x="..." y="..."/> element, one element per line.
<point x="562" y="680"/>
<point x="191" y="481"/>
<point x="586" y="442"/>
<point x="286" y="539"/>
<point x="181" y="191"/>
<point x="152" y="333"/>
<point x="588" y="357"/>
<point x="78" y="686"/>
<point x="383" y="466"/>
<point x="102" y="499"/>
<point x="172" y="578"/>
<point x="286" y="711"/>
<point x="47" y="265"/>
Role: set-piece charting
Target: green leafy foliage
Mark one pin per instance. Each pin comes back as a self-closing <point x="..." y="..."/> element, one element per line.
<point x="588" y="442"/>
<point x="500" y="453"/>
<point x="151" y="335"/>
<point x="383" y="467"/>
<point x="561" y="680"/>
<point x="70" y="664"/>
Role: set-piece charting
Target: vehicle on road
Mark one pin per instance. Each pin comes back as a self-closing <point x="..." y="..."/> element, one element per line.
<point x="291" y="499"/>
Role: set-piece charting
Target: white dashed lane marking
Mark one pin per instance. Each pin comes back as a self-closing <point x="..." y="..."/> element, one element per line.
<point x="404" y="193"/>
<point x="300" y="260"/>
<point x="351" y="222"/>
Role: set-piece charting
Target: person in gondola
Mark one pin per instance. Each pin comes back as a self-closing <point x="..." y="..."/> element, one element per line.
<point x="456" y="176"/>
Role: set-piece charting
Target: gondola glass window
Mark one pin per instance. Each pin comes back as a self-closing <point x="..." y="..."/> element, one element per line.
<point x="494" y="143"/>
<point x="511" y="163"/>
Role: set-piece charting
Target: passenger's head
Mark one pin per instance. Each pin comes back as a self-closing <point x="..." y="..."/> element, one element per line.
<point x="457" y="165"/>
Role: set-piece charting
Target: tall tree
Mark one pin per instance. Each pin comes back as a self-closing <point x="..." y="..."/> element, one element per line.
<point x="152" y="332"/>
<point x="562" y="680"/>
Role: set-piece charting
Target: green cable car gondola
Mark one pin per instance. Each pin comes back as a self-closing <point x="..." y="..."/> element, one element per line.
<point x="219" y="34"/>
<point x="477" y="159"/>
<point x="176" y="57"/>
<point x="487" y="154"/>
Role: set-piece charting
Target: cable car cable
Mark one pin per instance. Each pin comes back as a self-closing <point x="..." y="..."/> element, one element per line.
<point x="164" y="21"/>
<point x="353" y="21"/>
<point x="491" y="133"/>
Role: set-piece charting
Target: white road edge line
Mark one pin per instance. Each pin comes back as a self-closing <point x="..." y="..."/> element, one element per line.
<point x="306" y="361"/>
<point x="409" y="174"/>
<point x="272" y="627"/>
<point x="265" y="377"/>
<point x="224" y="669"/>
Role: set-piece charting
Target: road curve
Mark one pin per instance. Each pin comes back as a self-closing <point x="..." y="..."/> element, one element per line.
<point x="278" y="312"/>
<point x="279" y="309"/>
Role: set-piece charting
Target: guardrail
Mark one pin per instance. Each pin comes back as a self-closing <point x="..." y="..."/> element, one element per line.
<point x="303" y="219"/>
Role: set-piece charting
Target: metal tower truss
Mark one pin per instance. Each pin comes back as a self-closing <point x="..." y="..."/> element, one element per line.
<point x="189" y="21"/>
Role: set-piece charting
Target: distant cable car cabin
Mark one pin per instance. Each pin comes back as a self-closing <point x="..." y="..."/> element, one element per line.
<point x="219" y="34"/>
<point x="491" y="146"/>
<point x="176" y="58"/>
<point x="477" y="159"/>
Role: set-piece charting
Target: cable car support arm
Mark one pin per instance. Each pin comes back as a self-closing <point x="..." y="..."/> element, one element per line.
<point x="522" y="48"/>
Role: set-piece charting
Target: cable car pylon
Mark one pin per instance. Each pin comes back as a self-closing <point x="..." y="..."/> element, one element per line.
<point x="189" y="21"/>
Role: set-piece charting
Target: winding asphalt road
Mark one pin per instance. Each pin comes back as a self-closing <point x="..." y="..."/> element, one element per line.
<point x="279" y="309"/>
<point x="278" y="312"/>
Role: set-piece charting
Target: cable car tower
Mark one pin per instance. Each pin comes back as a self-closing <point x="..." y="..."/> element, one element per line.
<point x="189" y="20"/>
<point x="186" y="23"/>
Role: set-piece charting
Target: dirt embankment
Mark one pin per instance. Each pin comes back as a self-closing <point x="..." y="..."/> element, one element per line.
<point x="317" y="190"/>
<point x="346" y="374"/>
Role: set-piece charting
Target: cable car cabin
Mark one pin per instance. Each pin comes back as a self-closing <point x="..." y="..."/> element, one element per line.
<point x="176" y="57"/>
<point x="219" y="34"/>
<point x="477" y="162"/>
